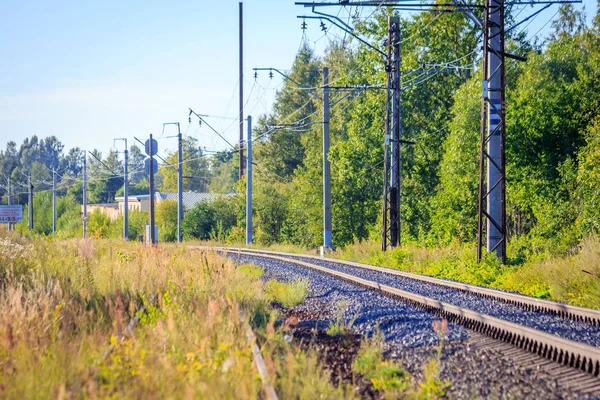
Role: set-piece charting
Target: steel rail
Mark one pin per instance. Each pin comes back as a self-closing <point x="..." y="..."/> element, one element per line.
<point x="567" y="352"/>
<point x="575" y="313"/>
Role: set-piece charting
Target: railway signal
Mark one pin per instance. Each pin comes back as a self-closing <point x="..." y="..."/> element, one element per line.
<point x="151" y="148"/>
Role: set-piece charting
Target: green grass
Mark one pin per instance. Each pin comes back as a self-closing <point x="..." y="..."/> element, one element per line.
<point x="547" y="276"/>
<point x="251" y="271"/>
<point x="385" y="375"/>
<point x="288" y="294"/>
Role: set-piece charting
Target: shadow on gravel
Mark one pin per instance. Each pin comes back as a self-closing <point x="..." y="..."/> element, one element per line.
<point x="337" y="353"/>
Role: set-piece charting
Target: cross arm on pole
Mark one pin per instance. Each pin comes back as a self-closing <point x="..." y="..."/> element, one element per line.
<point x="213" y="129"/>
<point x="345" y="30"/>
<point x="279" y="72"/>
<point x="468" y="13"/>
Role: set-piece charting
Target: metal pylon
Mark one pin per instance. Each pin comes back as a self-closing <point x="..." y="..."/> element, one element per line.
<point x="492" y="172"/>
<point x="392" y="155"/>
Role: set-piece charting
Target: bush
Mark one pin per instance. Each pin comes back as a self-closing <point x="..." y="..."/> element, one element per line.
<point x="98" y="224"/>
<point x="166" y="220"/>
<point x="210" y="220"/>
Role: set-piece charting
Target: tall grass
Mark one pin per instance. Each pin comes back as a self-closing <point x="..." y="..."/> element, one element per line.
<point x="64" y="305"/>
<point x="560" y="278"/>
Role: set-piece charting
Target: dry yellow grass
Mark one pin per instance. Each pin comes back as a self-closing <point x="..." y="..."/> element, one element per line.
<point x="63" y="305"/>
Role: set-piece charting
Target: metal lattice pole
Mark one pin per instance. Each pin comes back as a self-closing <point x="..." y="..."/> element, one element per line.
<point x="492" y="172"/>
<point x="392" y="161"/>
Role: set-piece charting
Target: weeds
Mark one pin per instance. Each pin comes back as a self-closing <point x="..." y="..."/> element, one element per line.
<point x="251" y="271"/>
<point x="288" y="294"/>
<point x="339" y="326"/>
<point x="433" y="387"/>
<point x="385" y="375"/>
<point x="65" y="303"/>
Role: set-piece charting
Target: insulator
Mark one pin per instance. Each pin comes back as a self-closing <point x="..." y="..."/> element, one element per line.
<point x="323" y="27"/>
<point x="271" y="74"/>
<point x="255" y="75"/>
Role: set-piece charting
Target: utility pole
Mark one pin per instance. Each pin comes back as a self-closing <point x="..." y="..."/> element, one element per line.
<point x="327" y="240"/>
<point x="392" y="162"/>
<point x="179" y="179"/>
<point x="492" y="143"/>
<point x="53" y="199"/>
<point x="85" y="218"/>
<point x="9" y="201"/>
<point x="249" y="184"/>
<point x="30" y="201"/>
<point x="125" y="191"/>
<point x="179" y="184"/>
<point x="126" y="195"/>
<point x="152" y="233"/>
<point x="241" y="90"/>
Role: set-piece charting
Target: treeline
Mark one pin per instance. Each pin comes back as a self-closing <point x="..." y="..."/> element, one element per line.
<point x="36" y="160"/>
<point x="553" y="137"/>
<point x="552" y="133"/>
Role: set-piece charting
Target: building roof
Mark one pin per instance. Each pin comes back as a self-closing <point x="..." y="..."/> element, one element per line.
<point x="190" y="199"/>
<point x="104" y="205"/>
<point x="133" y="198"/>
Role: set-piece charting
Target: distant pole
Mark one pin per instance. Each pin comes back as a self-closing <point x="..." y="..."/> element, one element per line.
<point x="85" y="218"/>
<point x="152" y="238"/>
<point x="179" y="184"/>
<point x="126" y="194"/>
<point x="9" y="201"/>
<point x="327" y="240"/>
<point x="53" y="200"/>
<point x="125" y="191"/>
<point x="241" y="90"/>
<point x="30" y="201"/>
<point x="249" y="183"/>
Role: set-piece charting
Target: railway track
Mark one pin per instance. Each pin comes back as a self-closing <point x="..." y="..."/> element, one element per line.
<point x="573" y="363"/>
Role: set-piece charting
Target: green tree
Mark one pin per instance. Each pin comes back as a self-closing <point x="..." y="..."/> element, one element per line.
<point x="195" y="169"/>
<point x="166" y="220"/>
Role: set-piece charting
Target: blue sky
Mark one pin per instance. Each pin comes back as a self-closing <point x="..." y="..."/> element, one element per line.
<point x="91" y="71"/>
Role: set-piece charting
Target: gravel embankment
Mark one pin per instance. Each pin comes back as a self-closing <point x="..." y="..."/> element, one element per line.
<point x="410" y="337"/>
<point x="563" y="327"/>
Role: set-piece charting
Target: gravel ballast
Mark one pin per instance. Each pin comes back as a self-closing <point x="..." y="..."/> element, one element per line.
<point x="546" y="322"/>
<point x="409" y="336"/>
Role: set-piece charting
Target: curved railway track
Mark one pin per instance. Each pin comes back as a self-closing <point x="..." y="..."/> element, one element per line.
<point x="573" y="363"/>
